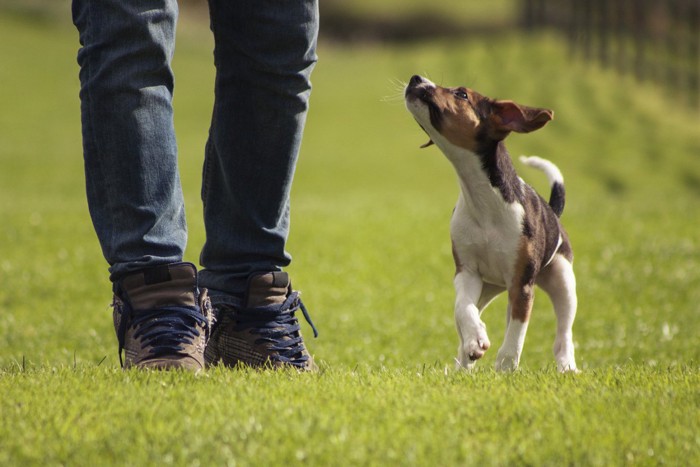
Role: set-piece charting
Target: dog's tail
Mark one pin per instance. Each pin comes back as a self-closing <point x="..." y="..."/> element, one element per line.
<point x="556" y="181"/>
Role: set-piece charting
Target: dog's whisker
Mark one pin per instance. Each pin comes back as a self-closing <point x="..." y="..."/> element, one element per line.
<point x="398" y="86"/>
<point x="395" y="98"/>
<point x="398" y="82"/>
<point x="398" y="91"/>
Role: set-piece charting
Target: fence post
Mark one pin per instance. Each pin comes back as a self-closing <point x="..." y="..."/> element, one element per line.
<point x="693" y="25"/>
<point x="653" y="39"/>
<point x="638" y="34"/>
<point x="621" y="34"/>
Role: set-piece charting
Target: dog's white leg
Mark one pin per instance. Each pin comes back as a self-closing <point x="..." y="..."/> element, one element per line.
<point x="559" y="282"/>
<point x="508" y="357"/>
<point x="519" y="307"/>
<point x="472" y="331"/>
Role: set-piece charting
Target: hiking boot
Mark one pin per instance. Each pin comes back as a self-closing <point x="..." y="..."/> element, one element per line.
<point x="263" y="329"/>
<point x="162" y="319"/>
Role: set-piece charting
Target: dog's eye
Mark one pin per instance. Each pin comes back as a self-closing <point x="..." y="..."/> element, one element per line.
<point x="459" y="94"/>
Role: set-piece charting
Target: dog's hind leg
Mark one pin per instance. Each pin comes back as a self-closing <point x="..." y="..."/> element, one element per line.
<point x="472" y="331"/>
<point x="559" y="282"/>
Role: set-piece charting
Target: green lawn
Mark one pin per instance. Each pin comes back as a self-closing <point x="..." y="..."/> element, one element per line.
<point x="372" y="256"/>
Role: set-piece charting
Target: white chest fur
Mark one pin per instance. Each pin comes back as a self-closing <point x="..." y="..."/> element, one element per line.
<point x="485" y="230"/>
<point x="487" y="245"/>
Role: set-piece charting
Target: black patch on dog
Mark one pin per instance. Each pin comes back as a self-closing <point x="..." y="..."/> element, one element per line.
<point x="496" y="162"/>
<point x="543" y="223"/>
<point x="557" y="198"/>
<point x="529" y="273"/>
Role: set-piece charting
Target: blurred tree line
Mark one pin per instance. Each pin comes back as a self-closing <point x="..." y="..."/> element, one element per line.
<point x="655" y="40"/>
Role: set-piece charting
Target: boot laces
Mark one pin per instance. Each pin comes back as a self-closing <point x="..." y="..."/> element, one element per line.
<point x="166" y="330"/>
<point x="278" y="329"/>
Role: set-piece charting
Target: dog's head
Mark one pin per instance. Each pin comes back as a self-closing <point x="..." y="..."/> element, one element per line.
<point x="466" y="119"/>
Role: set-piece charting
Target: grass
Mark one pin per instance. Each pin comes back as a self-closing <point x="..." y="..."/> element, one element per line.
<point x="361" y="416"/>
<point x="371" y="253"/>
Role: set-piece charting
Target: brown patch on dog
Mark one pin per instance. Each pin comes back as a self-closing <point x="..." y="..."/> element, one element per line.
<point x="507" y="116"/>
<point x="521" y="293"/>
<point x="459" y="122"/>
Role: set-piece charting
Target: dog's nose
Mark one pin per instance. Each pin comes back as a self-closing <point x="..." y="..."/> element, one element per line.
<point x="415" y="80"/>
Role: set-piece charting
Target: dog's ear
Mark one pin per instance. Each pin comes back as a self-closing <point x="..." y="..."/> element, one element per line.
<point x="507" y="116"/>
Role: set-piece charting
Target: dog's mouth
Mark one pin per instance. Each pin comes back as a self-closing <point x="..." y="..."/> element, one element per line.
<point x="422" y="90"/>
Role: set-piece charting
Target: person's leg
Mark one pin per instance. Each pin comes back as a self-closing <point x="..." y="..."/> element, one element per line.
<point x="264" y="54"/>
<point x="133" y="186"/>
<point x="265" y="51"/>
<point x="161" y="317"/>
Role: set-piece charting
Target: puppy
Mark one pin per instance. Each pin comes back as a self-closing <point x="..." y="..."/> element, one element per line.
<point x="505" y="237"/>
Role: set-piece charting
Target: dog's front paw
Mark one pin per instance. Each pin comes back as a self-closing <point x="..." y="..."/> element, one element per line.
<point x="473" y="349"/>
<point x="477" y="348"/>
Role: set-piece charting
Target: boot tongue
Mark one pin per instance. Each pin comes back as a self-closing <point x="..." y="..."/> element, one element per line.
<point x="167" y="285"/>
<point x="267" y="289"/>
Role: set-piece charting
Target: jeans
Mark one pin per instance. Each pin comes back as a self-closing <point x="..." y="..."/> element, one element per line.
<point x="264" y="53"/>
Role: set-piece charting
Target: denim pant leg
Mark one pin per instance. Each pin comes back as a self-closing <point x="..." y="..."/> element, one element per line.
<point x="264" y="53"/>
<point x="133" y="187"/>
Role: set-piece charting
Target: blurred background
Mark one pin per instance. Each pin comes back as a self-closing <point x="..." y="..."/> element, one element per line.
<point x="657" y="40"/>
